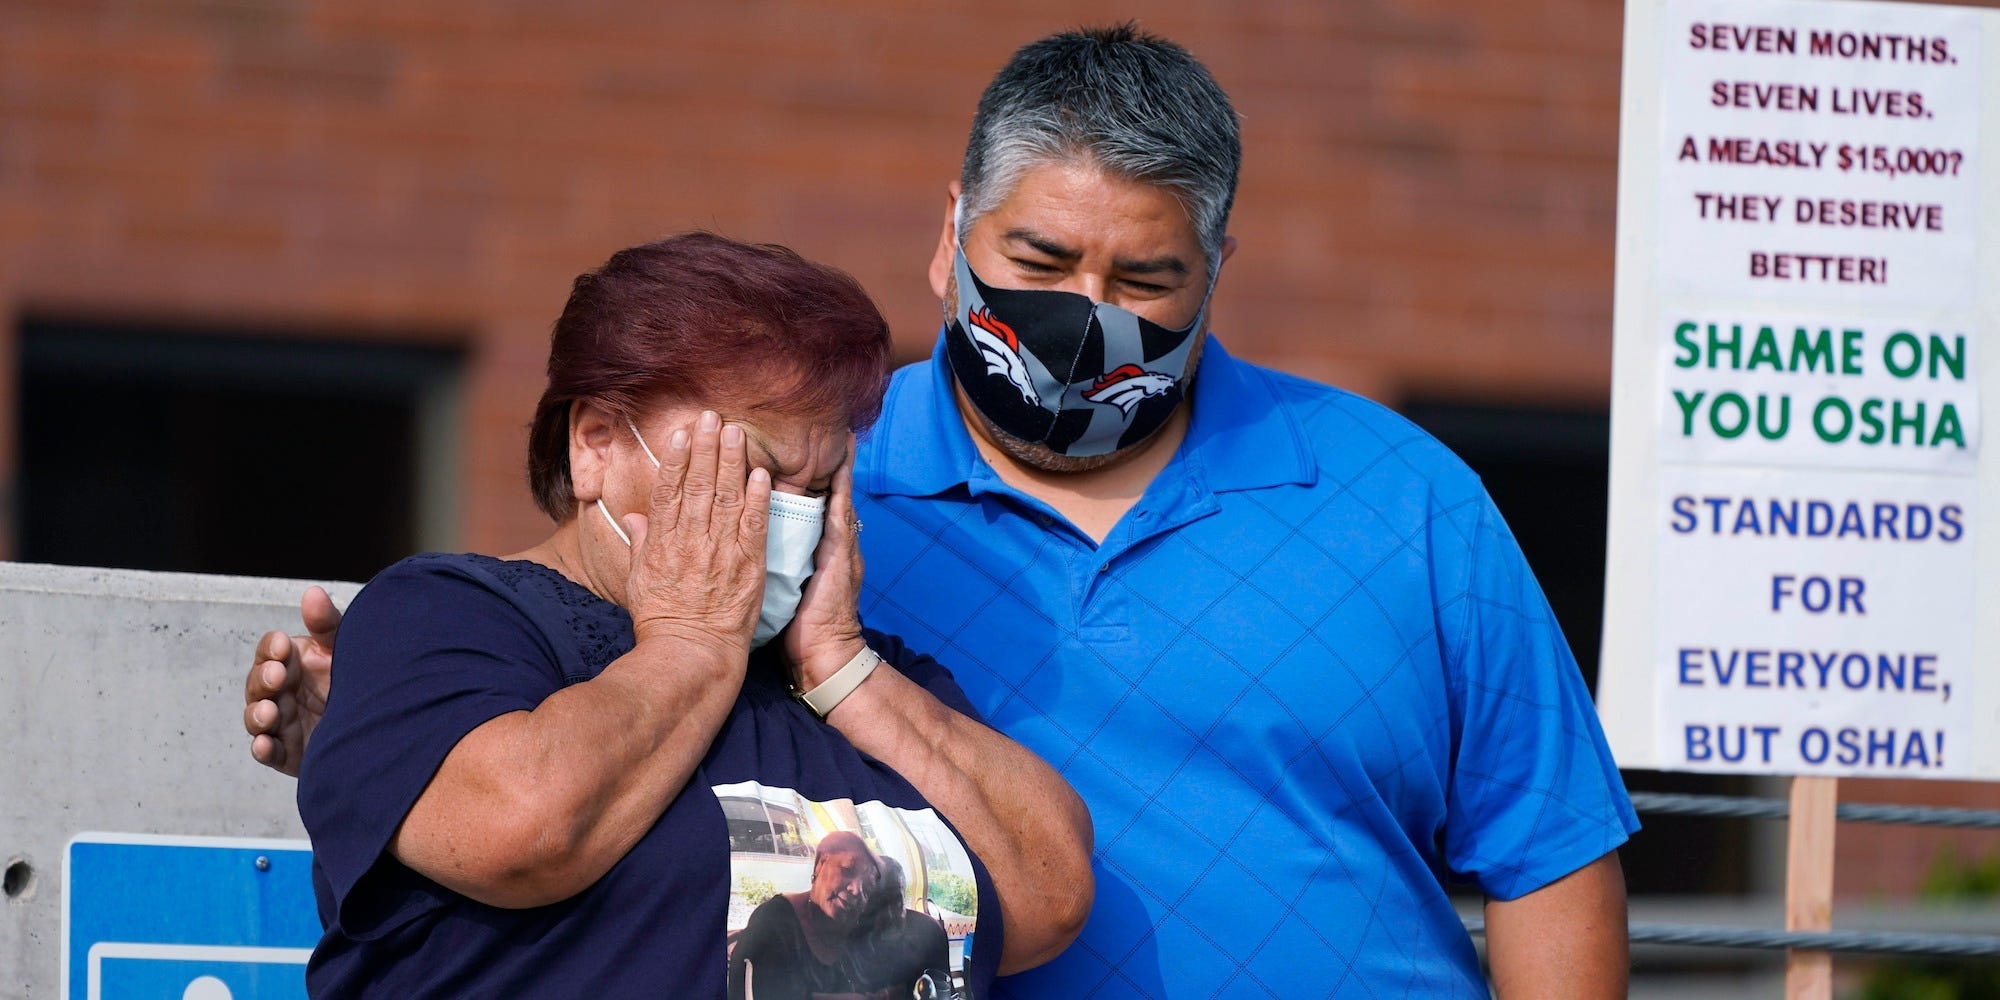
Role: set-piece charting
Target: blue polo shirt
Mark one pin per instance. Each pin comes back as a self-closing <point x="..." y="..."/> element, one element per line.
<point x="1304" y="683"/>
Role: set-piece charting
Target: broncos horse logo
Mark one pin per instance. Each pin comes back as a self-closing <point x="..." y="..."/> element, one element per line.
<point x="1125" y="386"/>
<point x="1002" y="350"/>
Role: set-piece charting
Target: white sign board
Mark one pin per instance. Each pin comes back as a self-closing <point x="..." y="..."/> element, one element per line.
<point x="1801" y="508"/>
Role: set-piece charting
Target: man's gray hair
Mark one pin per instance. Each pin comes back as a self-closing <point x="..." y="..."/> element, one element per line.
<point x="1136" y="104"/>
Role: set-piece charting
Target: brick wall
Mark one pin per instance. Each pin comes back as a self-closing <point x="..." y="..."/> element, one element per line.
<point x="1427" y="199"/>
<point x="1872" y="862"/>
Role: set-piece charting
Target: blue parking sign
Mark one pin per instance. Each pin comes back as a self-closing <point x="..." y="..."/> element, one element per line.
<point x="186" y="918"/>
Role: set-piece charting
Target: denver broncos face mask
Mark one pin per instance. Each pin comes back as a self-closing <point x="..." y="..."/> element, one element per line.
<point x="1056" y="369"/>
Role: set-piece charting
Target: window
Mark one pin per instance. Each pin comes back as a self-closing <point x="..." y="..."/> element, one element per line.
<point x="788" y="833"/>
<point x="150" y="448"/>
<point x="749" y="828"/>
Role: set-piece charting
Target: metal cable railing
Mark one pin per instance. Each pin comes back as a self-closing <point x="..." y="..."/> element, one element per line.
<point x="1734" y="807"/>
<point x="1875" y="942"/>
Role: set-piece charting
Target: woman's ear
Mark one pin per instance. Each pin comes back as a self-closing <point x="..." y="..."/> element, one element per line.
<point x="592" y="433"/>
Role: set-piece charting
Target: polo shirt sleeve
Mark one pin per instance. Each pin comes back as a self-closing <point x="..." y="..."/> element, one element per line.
<point x="1535" y="794"/>
<point x="427" y="652"/>
<point x="928" y="673"/>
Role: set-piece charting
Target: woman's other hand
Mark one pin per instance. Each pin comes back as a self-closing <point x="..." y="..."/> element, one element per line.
<point x="826" y="632"/>
<point x="1016" y="813"/>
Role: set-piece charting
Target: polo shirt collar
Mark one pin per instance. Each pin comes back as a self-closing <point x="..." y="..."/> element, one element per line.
<point x="1241" y="431"/>
<point x="1240" y="435"/>
<point x="919" y="445"/>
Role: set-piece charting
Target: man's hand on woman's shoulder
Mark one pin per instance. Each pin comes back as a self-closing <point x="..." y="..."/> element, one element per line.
<point x="285" y="692"/>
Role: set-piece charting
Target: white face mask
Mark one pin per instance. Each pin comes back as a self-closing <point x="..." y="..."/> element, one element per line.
<point x="796" y="524"/>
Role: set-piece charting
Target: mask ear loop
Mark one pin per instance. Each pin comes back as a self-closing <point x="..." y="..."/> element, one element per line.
<point x="606" y="511"/>
<point x="613" y="522"/>
<point x="636" y="436"/>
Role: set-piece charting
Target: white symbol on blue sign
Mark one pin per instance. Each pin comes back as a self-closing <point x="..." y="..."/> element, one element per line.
<point x="198" y="918"/>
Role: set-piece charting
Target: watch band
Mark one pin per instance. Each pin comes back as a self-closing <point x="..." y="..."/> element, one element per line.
<point x="835" y="689"/>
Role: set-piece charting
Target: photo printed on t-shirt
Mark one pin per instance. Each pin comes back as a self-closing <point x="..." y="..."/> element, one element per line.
<point x="844" y="897"/>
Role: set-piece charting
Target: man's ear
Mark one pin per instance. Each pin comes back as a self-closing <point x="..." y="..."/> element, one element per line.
<point x="1228" y="251"/>
<point x="592" y="433"/>
<point x="947" y="248"/>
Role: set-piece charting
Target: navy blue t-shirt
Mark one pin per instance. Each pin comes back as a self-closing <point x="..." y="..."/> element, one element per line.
<point x="437" y="645"/>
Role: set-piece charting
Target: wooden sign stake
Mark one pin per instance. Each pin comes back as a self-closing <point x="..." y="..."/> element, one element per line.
<point x="1809" y="885"/>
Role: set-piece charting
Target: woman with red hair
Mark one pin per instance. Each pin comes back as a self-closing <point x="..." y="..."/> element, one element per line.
<point x="514" y="788"/>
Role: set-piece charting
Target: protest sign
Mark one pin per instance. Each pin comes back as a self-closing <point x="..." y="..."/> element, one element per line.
<point x="1801" y="509"/>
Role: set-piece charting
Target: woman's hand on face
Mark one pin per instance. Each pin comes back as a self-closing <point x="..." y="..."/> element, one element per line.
<point x="826" y="632"/>
<point x="698" y="556"/>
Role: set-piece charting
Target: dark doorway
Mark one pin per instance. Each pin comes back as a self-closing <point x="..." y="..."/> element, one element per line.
<point x="1548" y="472"/>
<point x="166" y="449"/>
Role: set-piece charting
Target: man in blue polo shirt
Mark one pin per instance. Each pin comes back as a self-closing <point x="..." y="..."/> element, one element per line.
<point x="1276" y="636"/>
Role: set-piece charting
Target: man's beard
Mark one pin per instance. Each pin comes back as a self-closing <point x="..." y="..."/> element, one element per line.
<point x="1040" y="456"/>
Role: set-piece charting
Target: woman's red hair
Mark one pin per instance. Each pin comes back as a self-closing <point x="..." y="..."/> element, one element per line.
<point x="701" y="318"/>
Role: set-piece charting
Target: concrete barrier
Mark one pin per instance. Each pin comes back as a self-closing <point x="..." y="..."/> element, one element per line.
<point x="121" y="705"/>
